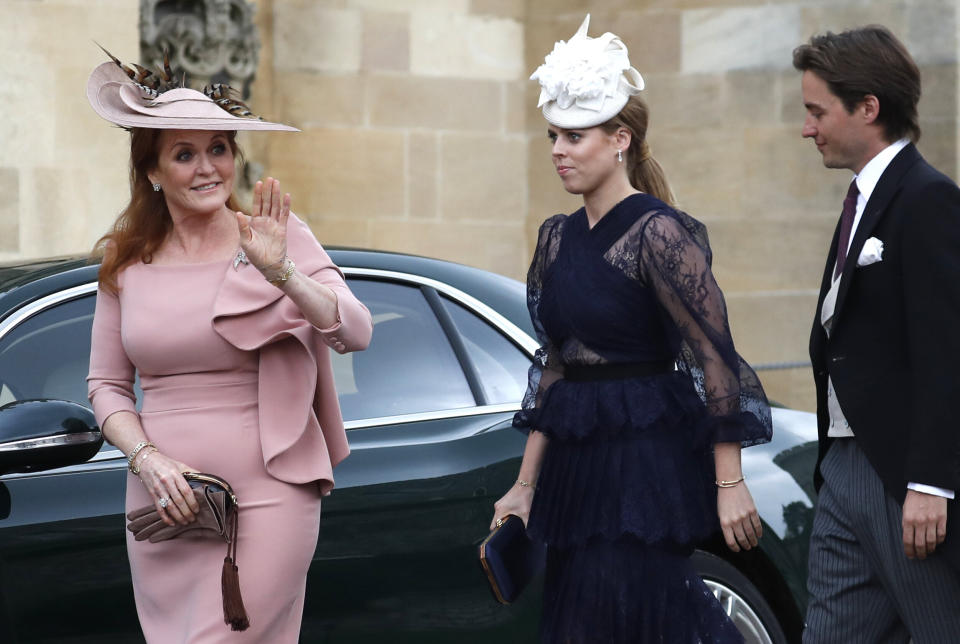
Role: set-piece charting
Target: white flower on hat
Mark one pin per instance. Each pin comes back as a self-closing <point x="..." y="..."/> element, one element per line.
<point x="587" y="75"/>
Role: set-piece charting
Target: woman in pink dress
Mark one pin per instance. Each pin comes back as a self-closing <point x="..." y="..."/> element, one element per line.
<point x="228" y="319"/>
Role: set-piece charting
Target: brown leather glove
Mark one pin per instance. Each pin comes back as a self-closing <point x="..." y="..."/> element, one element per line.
<point x="145" y="522"/>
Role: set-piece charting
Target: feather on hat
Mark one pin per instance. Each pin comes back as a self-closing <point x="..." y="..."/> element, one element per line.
<point x="144" y="99"/>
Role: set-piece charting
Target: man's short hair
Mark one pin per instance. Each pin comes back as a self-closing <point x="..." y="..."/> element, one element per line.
<point x="868" y="60"/>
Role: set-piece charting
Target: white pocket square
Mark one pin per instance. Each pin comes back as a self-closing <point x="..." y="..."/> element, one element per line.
<point x="871" y="253"/>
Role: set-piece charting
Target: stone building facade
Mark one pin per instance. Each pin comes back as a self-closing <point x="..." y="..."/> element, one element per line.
<point x="420" y="131"/>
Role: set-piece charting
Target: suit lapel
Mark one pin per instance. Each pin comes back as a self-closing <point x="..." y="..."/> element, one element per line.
<point x="818" y="335"/>
<point x="873" y="212"/>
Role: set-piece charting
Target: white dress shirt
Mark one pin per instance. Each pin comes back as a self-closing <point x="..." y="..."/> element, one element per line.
<point x="866" y="183"/>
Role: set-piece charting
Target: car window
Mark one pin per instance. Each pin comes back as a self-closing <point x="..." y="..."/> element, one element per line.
<point x="409" y="366"/>
<point x="501" y="365"/>
<point x="48" y="355"/>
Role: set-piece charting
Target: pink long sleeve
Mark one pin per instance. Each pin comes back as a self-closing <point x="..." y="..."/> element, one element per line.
<point x="110" y="381"/>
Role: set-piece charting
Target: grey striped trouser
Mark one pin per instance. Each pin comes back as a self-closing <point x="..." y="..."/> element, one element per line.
<point x="863" y="589"/>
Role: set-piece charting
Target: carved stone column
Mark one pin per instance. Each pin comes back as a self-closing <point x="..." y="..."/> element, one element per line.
<point x="210" y="41"/>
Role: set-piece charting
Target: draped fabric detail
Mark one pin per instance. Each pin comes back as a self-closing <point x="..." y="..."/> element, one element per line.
<point x="301" y="429"/>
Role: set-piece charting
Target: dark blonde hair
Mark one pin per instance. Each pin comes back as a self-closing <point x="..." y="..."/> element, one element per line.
<point x="144" y="224"/>
<point x="644" y="172"/>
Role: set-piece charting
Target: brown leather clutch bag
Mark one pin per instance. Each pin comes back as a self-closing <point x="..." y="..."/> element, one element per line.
<point x="219" y="517"/>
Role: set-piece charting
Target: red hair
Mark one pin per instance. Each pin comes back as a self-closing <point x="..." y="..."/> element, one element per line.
<point x="145" y="223"/>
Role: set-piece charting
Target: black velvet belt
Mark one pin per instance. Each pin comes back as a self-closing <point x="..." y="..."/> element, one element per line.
<point x="616" y="370"/>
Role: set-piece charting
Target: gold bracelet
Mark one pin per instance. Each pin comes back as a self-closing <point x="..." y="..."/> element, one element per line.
<point x="135" y="451"/>
<point x="523" y="483"/>
<point x="135" y="467"/>
<point x="733" y="483"/>
<point x="285" y="275"/>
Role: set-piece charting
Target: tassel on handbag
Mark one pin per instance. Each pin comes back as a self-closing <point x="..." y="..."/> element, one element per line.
<point x="234" y="613"/>
<point x="219" y="514"/>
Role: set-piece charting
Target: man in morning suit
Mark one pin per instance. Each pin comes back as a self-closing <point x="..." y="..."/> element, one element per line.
<point x="885" y="346"/>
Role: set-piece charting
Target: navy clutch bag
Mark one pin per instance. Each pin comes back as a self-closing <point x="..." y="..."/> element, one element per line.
<point x="510" y="559"/>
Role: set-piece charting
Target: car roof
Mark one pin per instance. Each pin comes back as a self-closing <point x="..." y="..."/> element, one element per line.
<point x="25" y="282"/>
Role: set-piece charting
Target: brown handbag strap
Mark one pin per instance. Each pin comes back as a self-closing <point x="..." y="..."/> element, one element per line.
<point x="234" y="521"/>
<point x="234" y="612"/>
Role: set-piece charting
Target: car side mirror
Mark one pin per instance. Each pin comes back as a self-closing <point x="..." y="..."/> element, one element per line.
<point x="38" y="435"/>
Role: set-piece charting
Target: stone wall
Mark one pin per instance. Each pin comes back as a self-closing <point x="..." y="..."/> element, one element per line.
<point x="420" y="131"/>
<point x="63" y="173"/>
<point x="413" y="124"/>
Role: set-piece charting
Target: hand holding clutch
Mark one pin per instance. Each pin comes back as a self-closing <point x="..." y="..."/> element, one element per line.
<point x="145" y="522"/>
<point x="510" y="559"/>
<point x="218" y="516"/>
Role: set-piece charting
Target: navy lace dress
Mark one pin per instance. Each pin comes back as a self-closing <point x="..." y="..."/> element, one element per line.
<point x="626" y="486"/>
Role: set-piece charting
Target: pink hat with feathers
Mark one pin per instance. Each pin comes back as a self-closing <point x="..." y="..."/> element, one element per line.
<point x="146" y="99"/>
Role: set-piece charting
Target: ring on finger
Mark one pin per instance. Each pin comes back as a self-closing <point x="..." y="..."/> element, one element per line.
<point x="164" y="502"/>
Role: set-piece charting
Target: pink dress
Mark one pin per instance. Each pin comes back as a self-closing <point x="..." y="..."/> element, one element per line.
<point x="201" y="406"/>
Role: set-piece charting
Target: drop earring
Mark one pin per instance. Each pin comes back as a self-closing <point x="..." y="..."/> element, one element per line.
<point x="619" y="156"/>
<point x="156" y="187"/>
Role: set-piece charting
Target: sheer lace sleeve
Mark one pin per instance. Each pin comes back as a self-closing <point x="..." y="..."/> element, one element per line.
<point x="675" y="262"/>
<point x="546" y="368"/>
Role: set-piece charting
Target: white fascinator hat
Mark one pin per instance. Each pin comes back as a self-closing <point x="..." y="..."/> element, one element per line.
<point x="586" y="81"/>
<point x="144" y="98"/>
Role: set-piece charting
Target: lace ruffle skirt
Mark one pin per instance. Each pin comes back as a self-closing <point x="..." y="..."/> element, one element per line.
<point x="624" y="459"/>
<point x="625" y="492"/>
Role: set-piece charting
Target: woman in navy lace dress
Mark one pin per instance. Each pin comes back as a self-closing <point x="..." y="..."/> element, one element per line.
<point x="638" y="404"/>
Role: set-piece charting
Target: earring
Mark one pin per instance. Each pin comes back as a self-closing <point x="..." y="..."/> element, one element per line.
<point x="619" y="156"/>
<point x="156" y="187"/>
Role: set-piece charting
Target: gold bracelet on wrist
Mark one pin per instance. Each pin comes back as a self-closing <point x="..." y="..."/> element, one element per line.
<point x="136" y="450"/>
<point x="733" y="483"/>
<point x="148" y="451"/>
<point x="286" y="274"/>
<point x="523" y="483"/>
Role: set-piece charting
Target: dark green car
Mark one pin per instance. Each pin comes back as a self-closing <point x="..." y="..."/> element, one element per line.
<point x="428" y="409"/>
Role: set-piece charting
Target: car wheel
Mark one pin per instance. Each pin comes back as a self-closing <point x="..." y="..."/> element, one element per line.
<point x="741" y="600"/>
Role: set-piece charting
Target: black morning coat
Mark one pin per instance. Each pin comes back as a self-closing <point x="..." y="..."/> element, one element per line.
<point x="894" y="350"/>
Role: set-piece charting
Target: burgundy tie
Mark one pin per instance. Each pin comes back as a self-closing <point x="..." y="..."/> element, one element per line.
<point x="846" y="225"/>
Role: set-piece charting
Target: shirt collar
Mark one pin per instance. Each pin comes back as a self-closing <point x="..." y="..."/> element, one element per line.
<point x="870" y="174"/>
